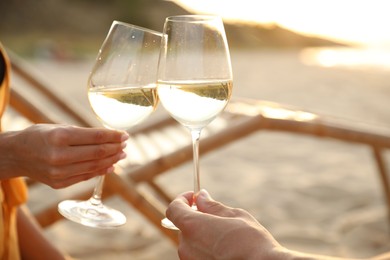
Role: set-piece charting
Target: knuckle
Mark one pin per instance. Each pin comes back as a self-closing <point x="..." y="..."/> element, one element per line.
<point x="215" y="206"/>
<point x="92" y="175"/>
<point x="99" y="135"/>
<point x="101" y="151"/>
<point x="237" y="211"/>
<point x="54" y="174"/>
<point x="97" y="167"/>
<point x="54" y="179"/>
<point x="57" y="185"/>
<point x="59" y="136"/>
<point x="55" y="157"/>
<point x="93" y="167"/>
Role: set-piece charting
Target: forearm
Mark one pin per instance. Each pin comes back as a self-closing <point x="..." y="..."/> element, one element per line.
<point x="32" y="242"/>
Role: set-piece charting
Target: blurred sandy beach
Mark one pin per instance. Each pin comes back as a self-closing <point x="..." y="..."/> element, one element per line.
<point x="321" y="196"/>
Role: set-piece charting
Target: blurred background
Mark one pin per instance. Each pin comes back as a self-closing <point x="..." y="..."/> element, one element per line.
<point x="80" y="26"/>
<point x="77" y="27"/>
<point x="330" y="57"/>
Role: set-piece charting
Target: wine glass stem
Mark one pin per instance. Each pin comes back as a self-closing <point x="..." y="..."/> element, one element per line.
<point x="96" y="198"/>
<point x="195" y="134"/>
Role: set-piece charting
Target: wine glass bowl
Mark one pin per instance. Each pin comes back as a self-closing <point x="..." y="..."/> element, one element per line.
<point x="195" y="103"/>
<point x="122" y="93"/>
<point x="194" y="81"/>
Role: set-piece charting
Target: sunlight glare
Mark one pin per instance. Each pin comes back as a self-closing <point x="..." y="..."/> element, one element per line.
<point x="270" y="110"/>
<point x="347" y="57"/>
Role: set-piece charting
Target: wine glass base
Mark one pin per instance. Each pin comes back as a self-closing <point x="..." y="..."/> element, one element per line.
<point x="88" y="214"/>
<point x="168" y="224"/>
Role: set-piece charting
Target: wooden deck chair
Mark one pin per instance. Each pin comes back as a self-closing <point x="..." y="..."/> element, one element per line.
<point x="241" y="118"/>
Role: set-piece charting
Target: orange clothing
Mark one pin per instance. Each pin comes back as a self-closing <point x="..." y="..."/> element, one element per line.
<point x="13" y="192"/>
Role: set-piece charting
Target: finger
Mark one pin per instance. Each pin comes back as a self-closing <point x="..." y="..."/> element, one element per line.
<point x="74" y="154"/>
<point x="206" y="204"/>
<point x="95" y="165"/>
<point x="180" y="212"/>
<point x="63" y="183"/>
<point x="189" y="196"/>
<point x="84" y="168"/>
<point x="78" y="178"/>
<point x="180" y="204"/>
<point x="98" y="136"/>
<point x="72" y="135"/>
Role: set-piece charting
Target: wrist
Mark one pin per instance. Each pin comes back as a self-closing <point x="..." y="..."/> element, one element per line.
<point x="8" y="160"/>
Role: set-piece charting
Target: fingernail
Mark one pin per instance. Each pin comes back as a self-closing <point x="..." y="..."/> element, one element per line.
<point x="110" y="170"/>
<point x="122" y="155"/>
<point x="123" y="145"/>
<point x="204" y="194"/>
<point x="125" y="136"/>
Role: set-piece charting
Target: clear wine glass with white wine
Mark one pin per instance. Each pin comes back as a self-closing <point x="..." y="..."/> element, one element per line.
<point x="194" y="76"/>
<point x="122" y="93"/>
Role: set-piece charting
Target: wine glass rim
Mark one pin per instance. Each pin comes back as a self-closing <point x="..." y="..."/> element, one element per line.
<point x="192" y="17"/>
<point x="137" y="27"/>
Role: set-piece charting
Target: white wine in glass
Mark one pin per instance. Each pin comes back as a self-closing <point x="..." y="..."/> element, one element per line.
<point x="195" y="80"/>
<point x="122" y="93"/>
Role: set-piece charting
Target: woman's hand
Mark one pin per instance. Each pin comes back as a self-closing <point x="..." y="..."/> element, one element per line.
<point x="60" y="155"/>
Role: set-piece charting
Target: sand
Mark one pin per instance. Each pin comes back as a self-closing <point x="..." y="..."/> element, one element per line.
<point x="320" y="196"/>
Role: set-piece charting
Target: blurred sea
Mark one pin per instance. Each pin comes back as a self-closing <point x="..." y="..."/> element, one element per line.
<point x="320" y="196"/>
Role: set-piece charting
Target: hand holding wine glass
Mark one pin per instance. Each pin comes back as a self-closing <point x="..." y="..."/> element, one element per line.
<point x="194" y="76"/>
<point x="122" y="93"/>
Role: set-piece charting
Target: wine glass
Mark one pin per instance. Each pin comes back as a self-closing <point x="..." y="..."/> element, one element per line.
<point x="122" y="92"/>
<point x="194" y="77"/>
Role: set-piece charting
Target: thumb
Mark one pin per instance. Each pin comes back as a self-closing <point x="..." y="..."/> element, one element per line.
<point x="206" y="204"/>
